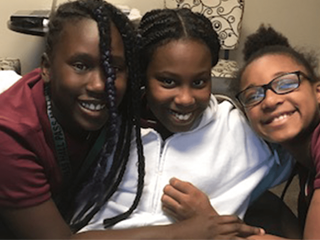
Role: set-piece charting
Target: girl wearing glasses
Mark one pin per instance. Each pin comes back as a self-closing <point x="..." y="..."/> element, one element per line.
<point x="280" y="93"/>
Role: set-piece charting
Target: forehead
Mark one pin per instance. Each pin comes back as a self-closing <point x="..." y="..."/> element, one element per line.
<point x="82" y="35"/>
<point x="267" y="67"/>
<point x="79" y="29"/>
<point x="181" y="53"/>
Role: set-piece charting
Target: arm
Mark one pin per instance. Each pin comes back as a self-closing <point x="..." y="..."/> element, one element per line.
<point x="182" y="200"/>
<point x="311" y="230"/>
<point x="45" y="222"/>
<point x="40" y="222"/>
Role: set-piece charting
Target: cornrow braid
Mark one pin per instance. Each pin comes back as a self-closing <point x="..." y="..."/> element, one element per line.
<point x="100" y="184"/>
<point x="161" y="26"/>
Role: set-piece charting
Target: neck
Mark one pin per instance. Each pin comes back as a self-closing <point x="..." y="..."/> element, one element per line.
<point x="164" y="132"/>
<point x="301" y="151"/>
<point x="73" y="130"/>
<point x="300" y="146"/>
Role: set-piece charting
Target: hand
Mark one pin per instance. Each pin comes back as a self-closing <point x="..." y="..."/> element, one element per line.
<point x="186" y="203"/>
<point x="181" y="200"/>
<point x="217" y="227"/>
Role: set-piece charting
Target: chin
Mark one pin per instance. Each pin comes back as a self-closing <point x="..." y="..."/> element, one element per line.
<point x="92" y="128"/>
<point x="281" y="138"/>
<point x="180" y="129"/>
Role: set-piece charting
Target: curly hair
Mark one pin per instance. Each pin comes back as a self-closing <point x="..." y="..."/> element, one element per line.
<point x="160" y="26"/>
<point x="267" y="41"/>
<point x="99" y="185"/>
<point x="263" y="37"/>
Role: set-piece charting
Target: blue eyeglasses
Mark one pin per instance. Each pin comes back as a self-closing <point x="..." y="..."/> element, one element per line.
<point x="283" y="84"/>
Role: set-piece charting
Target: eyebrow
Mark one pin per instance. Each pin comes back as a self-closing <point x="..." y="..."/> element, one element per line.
<point x="173" y="74"/>
<point x="276" y="75"/>
<point x="82" y="56"/>
<point x="119" y="59"/>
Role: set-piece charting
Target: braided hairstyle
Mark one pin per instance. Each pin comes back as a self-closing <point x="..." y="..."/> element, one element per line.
<point x="99" y="185"/>
<point x="160" y="26"/>
<point x="267" y="41"/>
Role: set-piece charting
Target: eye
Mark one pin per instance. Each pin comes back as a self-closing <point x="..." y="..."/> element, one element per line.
<point x="199" y="83"/>
<point x="80" y="67"/>
<point x="119" y="68"/>
<point x="286" y="84"/>
<point x="252" y="95"/>
<point x="167" y="82"/>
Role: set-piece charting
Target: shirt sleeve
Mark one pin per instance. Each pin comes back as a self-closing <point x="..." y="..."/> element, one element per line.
<point x="23" y="179"/>
<point x="315" y="151"/>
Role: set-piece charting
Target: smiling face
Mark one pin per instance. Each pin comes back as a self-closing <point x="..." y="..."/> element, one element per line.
<point x="179" y="83"/>
<point x="76" y="78"/>
<point x="281" y="118"/>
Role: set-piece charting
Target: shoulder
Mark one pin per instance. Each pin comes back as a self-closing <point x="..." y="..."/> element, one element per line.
<point x="231" y="113"/>
<point x="27" y="164"/>
<point x="315" y="151"/>
<point x="20" y="108"/>
<point x="21" y="130"/>
<point x="315" y="144"/>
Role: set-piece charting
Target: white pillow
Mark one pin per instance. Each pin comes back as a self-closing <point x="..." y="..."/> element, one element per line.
<point x="7" y="79"/>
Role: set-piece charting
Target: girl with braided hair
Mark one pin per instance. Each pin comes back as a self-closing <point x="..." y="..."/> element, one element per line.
<point x="188" y="134"/>
<point x="63" y="125"/>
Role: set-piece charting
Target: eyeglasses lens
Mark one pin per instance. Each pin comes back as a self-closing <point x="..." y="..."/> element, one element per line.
<point x="280" y="85"/>
<point x="285" y="83"/>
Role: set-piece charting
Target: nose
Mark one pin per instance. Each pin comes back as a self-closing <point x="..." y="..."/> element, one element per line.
<point x="184" y="97"/>
<point x="96" y="83"/>
<point x="271" y="100"/>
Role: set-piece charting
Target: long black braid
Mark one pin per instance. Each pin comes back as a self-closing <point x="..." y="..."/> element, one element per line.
<point x="100" y="184"/>
<point x="160" y="26"/>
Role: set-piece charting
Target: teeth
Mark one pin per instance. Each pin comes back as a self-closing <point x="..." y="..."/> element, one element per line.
<point x="182" y="117"/>
<point x="93" y="107"/>
<point x="280" y="117"/>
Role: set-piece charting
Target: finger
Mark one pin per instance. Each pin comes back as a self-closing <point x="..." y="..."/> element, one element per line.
<point x="240" y="225"/>
<point x="176" y="209"/>
<point x="171" y="213"/>
<point x="229" y="219"/>
<point x="236" y="238"/>
<point x="169" y="202"/>
<point x="181" y="186"/>
<point x="239" y="229"/>
<point x="246" y="230"/>
<point x="172" y="192"/>
<point x="190" y="192"/>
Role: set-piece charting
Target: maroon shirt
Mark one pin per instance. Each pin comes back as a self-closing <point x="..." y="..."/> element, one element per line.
<point x="315" y="151"/>
<point x="309" y="180"/>
<point x="29" y="173"/>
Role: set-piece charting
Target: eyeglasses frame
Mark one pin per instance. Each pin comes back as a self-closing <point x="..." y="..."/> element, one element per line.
<point x="268" y="86"/>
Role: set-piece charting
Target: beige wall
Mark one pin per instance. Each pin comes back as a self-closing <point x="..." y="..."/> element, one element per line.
<point x="297" y="19"/>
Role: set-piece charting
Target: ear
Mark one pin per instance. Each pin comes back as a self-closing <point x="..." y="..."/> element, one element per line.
<point x="317" y="90"/>
<point x="45" y="68"/>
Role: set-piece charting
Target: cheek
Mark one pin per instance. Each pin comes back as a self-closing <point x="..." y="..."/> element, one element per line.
<point x="64" y="80"/>
<point x="156" y="95"/>
<point x="203" y="97"/>
<point x="121" y="87"/>
<point x="153" y="99"/>
<point x="253" y="117"/>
